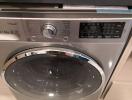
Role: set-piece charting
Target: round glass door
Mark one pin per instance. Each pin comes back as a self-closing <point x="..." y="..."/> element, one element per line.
<point x="54" y="73"/>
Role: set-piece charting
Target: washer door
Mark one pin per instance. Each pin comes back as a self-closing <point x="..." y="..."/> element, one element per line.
<point x="53" y="72"/>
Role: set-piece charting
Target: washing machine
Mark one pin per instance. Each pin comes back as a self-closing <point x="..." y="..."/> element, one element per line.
<point x="55" y="54"/>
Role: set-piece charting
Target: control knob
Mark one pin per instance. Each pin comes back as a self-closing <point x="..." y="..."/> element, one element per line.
<point x="49" y="31"/>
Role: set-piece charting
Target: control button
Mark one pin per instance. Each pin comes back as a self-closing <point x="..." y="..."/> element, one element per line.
<point x="49" y="31"/>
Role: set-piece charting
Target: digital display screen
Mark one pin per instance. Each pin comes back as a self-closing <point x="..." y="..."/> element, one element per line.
<point x="101" y="29"/>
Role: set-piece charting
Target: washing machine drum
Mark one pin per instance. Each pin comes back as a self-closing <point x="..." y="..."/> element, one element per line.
<point x="53" y="73"/>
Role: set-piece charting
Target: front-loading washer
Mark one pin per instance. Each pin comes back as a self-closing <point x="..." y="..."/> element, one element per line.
<point x="60" y="55"/>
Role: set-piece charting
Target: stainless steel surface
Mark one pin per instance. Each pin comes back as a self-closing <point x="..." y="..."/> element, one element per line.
<point x="27" y="26"/>
<point x="30" y="29"/>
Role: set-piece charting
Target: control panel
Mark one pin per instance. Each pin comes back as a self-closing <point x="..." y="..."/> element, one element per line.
<point x="101" y="29"/>
<point x="61" y="30"/>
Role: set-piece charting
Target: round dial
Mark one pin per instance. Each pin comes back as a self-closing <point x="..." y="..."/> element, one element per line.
<point x="49" y="31"/>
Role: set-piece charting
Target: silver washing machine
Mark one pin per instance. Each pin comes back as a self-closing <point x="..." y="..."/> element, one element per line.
<point x="55" y="55"/>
